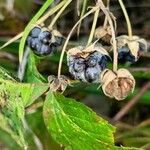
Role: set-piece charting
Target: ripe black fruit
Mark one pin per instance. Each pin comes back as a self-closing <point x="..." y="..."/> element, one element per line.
<point x="45" y="37"/>
<point x="44" y="50"/>
<point x="124" y="55"/>
<point x="35" y="32"/>
<point x="92" y="60"/>
<point x="92" y="73"/>
<point x="43" y="42"/>
<point x="87" y="69"/>
<point x="130" y="49"/>
<point x="79" y="65"/>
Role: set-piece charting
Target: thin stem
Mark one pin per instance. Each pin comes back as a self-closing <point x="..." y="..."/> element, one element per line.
<point x="82" y="13"/>
<point x="115" y="52"/>
<point x="78" y="7"/>
<point x="108" y="3"/>
<point x="59" y="13"/>
<point x="18" y="36"/>
<point x="69" y="35"/>
<point x="127" y="19"/>
<point x="22" y="66"/>
<point x="51" y="12"/>
<point x="93" y="27"/>
<point x="105" y="21"/>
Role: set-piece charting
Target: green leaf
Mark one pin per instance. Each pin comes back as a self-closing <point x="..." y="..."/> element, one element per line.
<point x="32" y="74"/>
<point x="4" y="74"/>
<point x="30" y="26"/>
<point x="7" y="135"/>
<point x="75" y="126"/>
<point x="13" y="109"/>
<point x="14" y="97"/>
<point x="28" y="92"/>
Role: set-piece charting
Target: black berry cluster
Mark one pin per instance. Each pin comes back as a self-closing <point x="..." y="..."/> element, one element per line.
<point x="43" y="42"/>
<point x="124" y="55"/>
<point x="130" y="50"/>
<point x="87" y="69"/>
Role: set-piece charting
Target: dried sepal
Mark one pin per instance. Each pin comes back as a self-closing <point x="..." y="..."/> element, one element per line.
<point x="58" y="84"/>
<point x="57" y="38"/>
<point x="56" y="33"/>
<point x="118" y="84"/>
<point x="103" y="33"/>
<point x="75" y="51"/>
<point x="84" y="52"/>
<point x="136" y="46"/>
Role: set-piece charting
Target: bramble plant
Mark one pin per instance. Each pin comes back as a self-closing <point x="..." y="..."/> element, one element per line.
<point x="70" y="123"/>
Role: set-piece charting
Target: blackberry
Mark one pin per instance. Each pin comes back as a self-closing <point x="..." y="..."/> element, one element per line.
<point x="97" y="58"/>
<point x="77" y="68"/>
<point x="129" y="50"/>
<point x="35" y="32"/>
<point x="35" y="43"/>
<point x="79" y="65"/>
<point x="142" y="46"/>
<point x="92" y="74"/>
<point x="103" y="62"/>
<point x="43" y="42"/>
<point x="87" y="69"/>
<point x="124" y="55"/>
<point x="92" y="60"/>
<point x="45" y="37"/>
<point x="29" y="39"/>
<point x="44" y="50"/>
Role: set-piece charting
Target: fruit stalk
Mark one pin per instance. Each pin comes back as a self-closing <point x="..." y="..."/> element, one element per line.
<point x="82" y="13"/>
<point x="105" y="21"/>
<point x="51" y="12"/>
<point x="59" y="13"/>
<point x="127" y="19"/>
<point x="115" y="52"/>
<point x="93" y="27"/>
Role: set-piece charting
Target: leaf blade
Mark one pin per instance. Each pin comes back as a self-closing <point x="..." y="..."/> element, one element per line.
<point x="68" y="124"/>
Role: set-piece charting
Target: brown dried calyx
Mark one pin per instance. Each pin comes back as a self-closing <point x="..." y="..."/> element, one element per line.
<point x="103" y="33"/>
<point x="136" y="45"/>
<point x="84" y="52"/>
<point x="58" y="84"/>
<point x="117" y="85"/>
